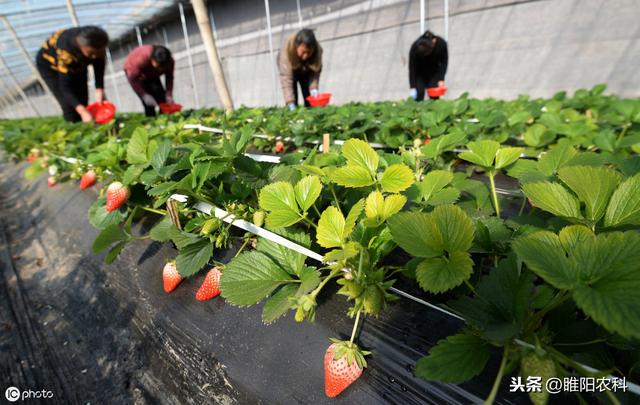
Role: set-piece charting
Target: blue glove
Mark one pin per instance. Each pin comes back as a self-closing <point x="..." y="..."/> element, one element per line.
<point x="314" y="92"/>
<point x="413" y="93"/>
<point x="291" y="106"/>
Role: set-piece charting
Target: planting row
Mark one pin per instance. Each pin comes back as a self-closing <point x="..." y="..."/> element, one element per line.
<point x="549" y="276"/>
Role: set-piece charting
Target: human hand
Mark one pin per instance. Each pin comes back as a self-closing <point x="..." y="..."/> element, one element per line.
<point x="314" y="92"/>
<point x="169" y="99"/>
<point x="441" y="83"/>
<point x="85" y="115"/>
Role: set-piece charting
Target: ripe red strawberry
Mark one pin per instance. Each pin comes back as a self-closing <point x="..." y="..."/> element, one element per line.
<point x="51" y="181"/>
<point x="210" y="286"/>
<point x="343" y="364"/>
<point x="117" y="195"/>
<point x="170" y="276"/>
<point x="279" y="147"/>
<point x="88" y="179"/>
<point x="427" y="140"/>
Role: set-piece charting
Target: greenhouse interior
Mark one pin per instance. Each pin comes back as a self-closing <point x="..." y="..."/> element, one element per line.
<point x="320" y="201"/>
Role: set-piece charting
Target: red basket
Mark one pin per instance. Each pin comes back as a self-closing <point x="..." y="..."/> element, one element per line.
<point x="320" y="100"/>
<point x="167" y="108"/>
<point x="102" y="112"/>
<point x="437" y="91"/>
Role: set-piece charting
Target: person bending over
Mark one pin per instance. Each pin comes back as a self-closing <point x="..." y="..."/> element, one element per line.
<point x="428" y="59"/>
<point x="62" y="62"/>
<point x="143" y="68"/>
<point x="300" y="63"/>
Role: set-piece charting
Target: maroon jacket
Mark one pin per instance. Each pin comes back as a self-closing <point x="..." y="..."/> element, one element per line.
<point x="138" y="68"/>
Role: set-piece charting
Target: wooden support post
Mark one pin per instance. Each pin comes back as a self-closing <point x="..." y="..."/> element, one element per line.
<point x="326" y="143"/>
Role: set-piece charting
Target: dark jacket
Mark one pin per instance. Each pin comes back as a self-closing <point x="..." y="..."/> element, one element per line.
<point x="139" y="68"/>
<point x="61" y="53"/>
<point x="432" y="67"/>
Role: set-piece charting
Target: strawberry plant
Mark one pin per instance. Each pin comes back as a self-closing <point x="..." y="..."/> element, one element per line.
<point x="520" y="217"/>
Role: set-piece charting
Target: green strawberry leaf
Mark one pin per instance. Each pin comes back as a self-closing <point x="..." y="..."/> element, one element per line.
<point x="164" y="231"/>
<point x="624" y="206"/>
<point x="279" y="303"/>
<point x="433" y="182"/>
<point x="455" y="226"/>
<point x="137" y="147"/>
<point x="331" y="228"/>
<point x="352" y="217"/>
<point x="307" y="192"/>
<point x="481" y="153"/>
<point x="107" y="237"/>
<point x="593" y="185"/>
<point x="290" y="261"/>
<point x="278" y="196"/>
<point x="396" y="178"/>
<point x="554" y="198"/>
<point x="607" y="269"/>
<point x="543" y="253"/>
<point x="114" y="252"/>
<point x="440" y="274"/>
<point x="454" y="360"/>
<point x="193" y="257"/>
<point x="507" y="156"/>
<point x="537" y="135"/>
<point x="352" y="176"/>
<point x="100" y="218"/>
<point x="161" y="154"/>
<point x="416" y="233"/>
<point x="552" y="160"/>
<point x="251" y="277"/>
<point x="359" y="153"/>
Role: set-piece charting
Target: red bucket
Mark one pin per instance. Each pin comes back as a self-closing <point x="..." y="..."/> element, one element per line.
<point x="167" y="108"/>
<point x="320" y="100"/>
<point x="436" y="91"/>
<point x="102" y="112"/>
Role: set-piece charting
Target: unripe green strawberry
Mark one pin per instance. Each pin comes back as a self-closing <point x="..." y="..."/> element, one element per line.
<point x="219" y="241"/>
<point x="355" y="289"/>
<point x="258" y="218"/>
<point x="533" y="365"/>
<point x="373" y="300"/>
<point x="209" y="226"/>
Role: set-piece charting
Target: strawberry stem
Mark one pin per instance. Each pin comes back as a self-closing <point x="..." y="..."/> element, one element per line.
<point x="159" y="212"/>
<point x="494" y="194"/>
<point x="496" y="384"/>
<point x="355" y="328"/>
<point x="244" y="245"/>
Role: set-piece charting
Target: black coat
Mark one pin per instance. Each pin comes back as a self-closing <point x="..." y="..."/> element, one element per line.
<point x="430" y="68"/>
<point x="61" y="54"/>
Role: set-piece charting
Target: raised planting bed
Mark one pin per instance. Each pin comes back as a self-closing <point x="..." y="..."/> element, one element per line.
<point x="499" y="243"/>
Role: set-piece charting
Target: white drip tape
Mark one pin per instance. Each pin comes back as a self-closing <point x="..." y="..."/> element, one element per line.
<point x="263" y="158"/>
<point x="69" y="160"/>
<point x="250" y="227"/>
<point x="203" y="128"/>
<point x="276" y="138"/>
